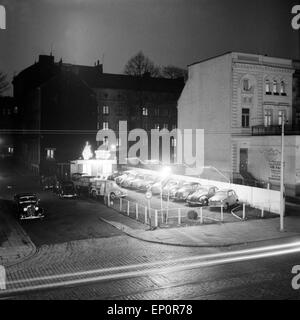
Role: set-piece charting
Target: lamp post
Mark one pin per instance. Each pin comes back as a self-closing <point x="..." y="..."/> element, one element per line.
<point x="165" y="173"/>
<point x="282" y="191"/>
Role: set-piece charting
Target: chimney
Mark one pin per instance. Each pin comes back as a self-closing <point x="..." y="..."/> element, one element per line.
<point x="46" y="60"/>
<point x="99" y="67"/>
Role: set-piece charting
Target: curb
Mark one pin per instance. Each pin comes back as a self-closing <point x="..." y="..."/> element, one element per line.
<point x="130" y="233"/>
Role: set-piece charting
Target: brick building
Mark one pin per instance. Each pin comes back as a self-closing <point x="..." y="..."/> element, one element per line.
<point x="63" y="105"/>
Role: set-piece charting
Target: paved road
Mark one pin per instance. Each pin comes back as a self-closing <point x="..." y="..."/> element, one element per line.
<point x="147" y="271"/>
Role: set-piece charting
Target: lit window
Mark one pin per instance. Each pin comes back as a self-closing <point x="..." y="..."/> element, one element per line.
<point x="282" y="89"/>
<point x="10" y="150"/>
<point x="245" y="118"/>
<point x="268" y="118"/>
<point x="145" y="111"/>
<point x="246" y="85"/>
<point x="268" y="87"/>
<point x="50" y="153"/>
<point x="105" y="110"/>
<point x="281" y="117"/>
<point x="275" y="87"/>
<point x="105" y="125"/>
<point x="173" y="142"/>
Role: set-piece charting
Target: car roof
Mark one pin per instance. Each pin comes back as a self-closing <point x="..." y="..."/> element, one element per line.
<point x="20" y="195"/>
<point x="225" y="190"/>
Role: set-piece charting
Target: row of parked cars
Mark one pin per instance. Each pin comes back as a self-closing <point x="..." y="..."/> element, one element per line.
<point x="193" y="193"/>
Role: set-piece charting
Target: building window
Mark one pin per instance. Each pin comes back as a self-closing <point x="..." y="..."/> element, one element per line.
<point x="105" y="141"/>
<point x="119" y="142"/>
<point x="156" y="126"/>
<point x="173" y="142"/>
<point x="245" y="118"/>
<point x="145" y="111"/>
<point x="10" y="150"/>
<point x="8" y="112"/>
<point x="297" y="120"/>
<point x="268" y="118"/>
<point x="16" y="110"/>
<point x="281" y="117"/>
<point x="105" y="110"/>
<point x="50" y="153"/>
<point x="246" y="85"/>
<point x="268" y="87"/>
<point x="105" y="125"/>
<point x="275" y="87"/>
<point x="282" y="88"/>
<point x="156" y="112"/>
<point x="166" y="126"/>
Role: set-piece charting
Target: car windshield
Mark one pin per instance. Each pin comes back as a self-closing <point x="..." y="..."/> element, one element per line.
<point x="222" y="193"/>
<point x="27" y="199"/>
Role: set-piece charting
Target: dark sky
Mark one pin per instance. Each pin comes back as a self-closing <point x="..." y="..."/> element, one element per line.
<point x="177" y="32"/>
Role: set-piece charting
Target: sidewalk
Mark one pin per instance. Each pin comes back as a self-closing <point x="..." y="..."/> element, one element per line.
<point x="15" y="245"/>
<point x="213" y="235"/>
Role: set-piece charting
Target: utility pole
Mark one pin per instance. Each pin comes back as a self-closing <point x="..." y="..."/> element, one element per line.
<point x="282" y="191"/>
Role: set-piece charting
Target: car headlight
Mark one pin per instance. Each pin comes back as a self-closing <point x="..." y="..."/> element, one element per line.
<point x="36" y="208"/>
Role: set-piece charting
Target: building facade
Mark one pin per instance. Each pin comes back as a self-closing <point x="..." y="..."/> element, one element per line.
<point x="64" y="105"/>
<point x="8" y="125"/>
<point x="241" y="101"/>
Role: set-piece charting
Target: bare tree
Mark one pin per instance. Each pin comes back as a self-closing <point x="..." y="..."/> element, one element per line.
<point x="4" y="84"/>
<point x="173" y="72"/>
<point x="140" y="65"/>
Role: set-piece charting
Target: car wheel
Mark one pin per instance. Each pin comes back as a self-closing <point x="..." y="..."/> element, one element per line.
<point x="112" y="196"/>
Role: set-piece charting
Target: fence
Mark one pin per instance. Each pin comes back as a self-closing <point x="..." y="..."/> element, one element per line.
<point x="182" y="215"/>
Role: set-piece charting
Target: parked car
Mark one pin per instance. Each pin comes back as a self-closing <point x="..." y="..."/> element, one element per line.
<point x="156" y="187"/>
<point x="226" y="198"/>
<point x="27" y="206"/>
<point x="126" y="182"/>
<point x="100" y="188"/>
<point x="76" y="176"/>
<point x="201" y="196"/>
<point x="135" y="183"/>
<point x="67" y="190"/>
<point x="183" y="192"/>
<point x="147" y="183"/>
<point x="83" y="183"/>
<point x="120" y="179"/>
<point x="170" y="189"/>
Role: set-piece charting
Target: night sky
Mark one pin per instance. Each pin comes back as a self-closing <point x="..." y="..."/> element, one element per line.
<point x="177" y="32"/>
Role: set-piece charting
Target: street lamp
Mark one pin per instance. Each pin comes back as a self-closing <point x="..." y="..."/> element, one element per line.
<point x="282" y="191"/>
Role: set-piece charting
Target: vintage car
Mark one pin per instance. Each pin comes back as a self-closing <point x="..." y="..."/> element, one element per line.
<point x="126" y="182"/>
<point x="183" y="192"/>
<point x="225" y="198"/>
<point x="27" y="206"/>
<point x="170" y="189"/>
<point x="201" y="196"/>
<point x="66" y="190"/>
<point x="83" y="183"/>
<point x="102" y="188"/>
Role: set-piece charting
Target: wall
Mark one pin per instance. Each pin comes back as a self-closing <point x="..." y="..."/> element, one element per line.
<point x="205" y="103"/>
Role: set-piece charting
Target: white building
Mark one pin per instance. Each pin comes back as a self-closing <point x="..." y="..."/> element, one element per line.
<point x="240" y="100"/>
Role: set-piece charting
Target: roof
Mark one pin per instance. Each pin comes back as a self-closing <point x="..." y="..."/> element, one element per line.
<point x="95" y="79"/>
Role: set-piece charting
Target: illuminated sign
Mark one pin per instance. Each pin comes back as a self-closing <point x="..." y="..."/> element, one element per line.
<point x="296" y="18"/>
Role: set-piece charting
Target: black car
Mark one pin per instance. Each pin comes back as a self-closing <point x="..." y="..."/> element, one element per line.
<point x="28" y="206"/>
<point x="67" y="190"/>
